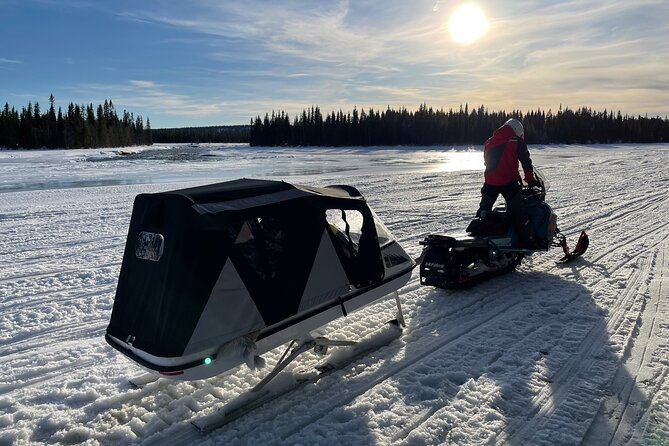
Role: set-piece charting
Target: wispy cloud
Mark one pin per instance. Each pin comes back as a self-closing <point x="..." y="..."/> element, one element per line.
<point x="227" y="61"/>
<point x="152" y="96"/>
<point x="598" y="53"/>
<point x="144" y="84"/>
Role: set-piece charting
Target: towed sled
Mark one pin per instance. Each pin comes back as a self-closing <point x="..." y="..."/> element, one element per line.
<point x="492" y="246"/>
<point x="214" y="276"/>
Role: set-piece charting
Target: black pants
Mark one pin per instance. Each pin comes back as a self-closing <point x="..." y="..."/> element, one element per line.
<point x="512" y="193"/>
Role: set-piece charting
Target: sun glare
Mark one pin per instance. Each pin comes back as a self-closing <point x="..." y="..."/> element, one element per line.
<point x="467" y="24"/>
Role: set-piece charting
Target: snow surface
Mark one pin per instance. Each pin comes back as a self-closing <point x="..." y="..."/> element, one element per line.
<point x="550" y="354"/>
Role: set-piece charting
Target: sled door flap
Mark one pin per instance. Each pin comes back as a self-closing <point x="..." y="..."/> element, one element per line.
<point x="327" y="279"/>
<point x="229" y="313"/>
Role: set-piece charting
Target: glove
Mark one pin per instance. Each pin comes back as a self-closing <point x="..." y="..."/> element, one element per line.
<point x="533" y="183"/>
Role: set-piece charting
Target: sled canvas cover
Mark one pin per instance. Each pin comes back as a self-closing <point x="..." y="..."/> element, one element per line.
<point x="205" y="265"/>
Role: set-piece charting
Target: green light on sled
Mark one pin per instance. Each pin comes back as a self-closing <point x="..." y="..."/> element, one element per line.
<point x="208" y="361"/>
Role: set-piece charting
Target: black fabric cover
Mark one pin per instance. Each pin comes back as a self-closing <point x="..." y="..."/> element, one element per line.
<point x="158" y="303"/>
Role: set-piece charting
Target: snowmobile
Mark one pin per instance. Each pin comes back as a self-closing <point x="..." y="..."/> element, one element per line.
<point x="492" y="246"/>
<point x="214" y="276"/>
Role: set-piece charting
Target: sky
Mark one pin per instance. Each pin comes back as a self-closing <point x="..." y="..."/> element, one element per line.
<point x="208" y="62"/>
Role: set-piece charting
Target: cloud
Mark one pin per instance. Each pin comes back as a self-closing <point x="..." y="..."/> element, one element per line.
<point x="599" y="53"/>
<point x="151" y="99"/>
<point x="331" y="33"/>
<point x="256" y="56"/>
<point x="9" y="61"/>
<point x="143" y="84"/>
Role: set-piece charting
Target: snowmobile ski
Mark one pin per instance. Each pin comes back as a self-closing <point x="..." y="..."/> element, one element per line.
<point x="581" y="246"/>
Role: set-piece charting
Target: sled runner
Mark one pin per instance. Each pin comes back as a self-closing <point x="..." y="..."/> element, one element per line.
<point x="492" y="246"/>
<point x="214" y="276"/>
<point x="275" y="385"/>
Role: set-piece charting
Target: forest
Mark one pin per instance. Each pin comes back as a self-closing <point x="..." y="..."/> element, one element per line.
<point x="221" y="133"/>
<point x="428" y="126"/>
<point x="81" y="126"/>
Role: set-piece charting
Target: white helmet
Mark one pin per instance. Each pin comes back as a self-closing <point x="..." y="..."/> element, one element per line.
<point x="516" y="126"/>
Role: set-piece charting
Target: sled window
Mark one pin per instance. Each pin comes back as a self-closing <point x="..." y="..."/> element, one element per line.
<point x="346" y="226"/>
<point x="263" y="243"/>
<point x="149" y="246"/>
<point x="382" y="232"/>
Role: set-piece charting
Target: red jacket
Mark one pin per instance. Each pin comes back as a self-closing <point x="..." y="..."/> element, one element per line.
<point x="501" y="153"/>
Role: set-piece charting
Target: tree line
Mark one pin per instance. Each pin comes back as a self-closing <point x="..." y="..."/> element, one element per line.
<point x="80" y="126"/>
<point x="220" y="134"/>
<point x="428" y="126"/>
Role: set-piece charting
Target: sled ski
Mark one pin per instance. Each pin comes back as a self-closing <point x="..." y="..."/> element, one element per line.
<point x="278" y="383"/>
<point x="142" y="380"/>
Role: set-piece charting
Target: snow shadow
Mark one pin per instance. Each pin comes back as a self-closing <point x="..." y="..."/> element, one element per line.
<point x="522" y="359"/>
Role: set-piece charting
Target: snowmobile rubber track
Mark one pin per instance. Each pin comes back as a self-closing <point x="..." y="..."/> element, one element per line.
<point x="475" y="280"/>
<point x="446" y="258"/>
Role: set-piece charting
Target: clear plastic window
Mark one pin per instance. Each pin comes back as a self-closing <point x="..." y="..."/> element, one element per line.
<point x="346" y="226"/>
<point x="149" y="246"/>
<point x="382" y="232"/>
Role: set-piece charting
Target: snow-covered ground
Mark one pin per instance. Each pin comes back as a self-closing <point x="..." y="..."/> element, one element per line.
<point x="550" y="354"/>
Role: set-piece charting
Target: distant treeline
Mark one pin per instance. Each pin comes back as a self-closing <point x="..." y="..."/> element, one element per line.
<point x="79" y="127"/>
<point x="464" y="126"/>
<point x="229" y="133"/>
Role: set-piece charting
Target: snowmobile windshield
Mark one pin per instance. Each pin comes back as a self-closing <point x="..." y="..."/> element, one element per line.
<point x="539" y="175"/>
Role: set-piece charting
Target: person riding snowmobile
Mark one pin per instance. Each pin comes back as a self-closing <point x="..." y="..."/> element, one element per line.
<point x="502" y="152"/>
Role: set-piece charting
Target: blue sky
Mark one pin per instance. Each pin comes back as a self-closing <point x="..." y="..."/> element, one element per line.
<point x="214" y="62"/>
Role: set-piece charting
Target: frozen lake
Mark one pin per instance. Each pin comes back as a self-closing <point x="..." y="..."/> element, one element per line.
<point x="48" y="169"/>
<point x="568" y="354"/>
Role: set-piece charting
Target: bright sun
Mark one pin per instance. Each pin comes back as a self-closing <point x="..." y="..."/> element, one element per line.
<point x="467" y="24"/>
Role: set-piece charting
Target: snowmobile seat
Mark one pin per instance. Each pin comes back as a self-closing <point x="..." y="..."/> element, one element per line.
<point x="491" y="223"/>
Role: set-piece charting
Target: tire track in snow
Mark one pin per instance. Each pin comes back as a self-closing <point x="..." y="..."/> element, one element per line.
<point x="639" y="235"/>
<point x="36" y="339"/>
<point x="36" y="300"/>
<point x="54" y="373"/>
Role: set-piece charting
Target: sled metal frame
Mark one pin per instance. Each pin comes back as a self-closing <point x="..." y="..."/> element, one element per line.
<point x="258" y="395"/>
<point x="320" y="346"/>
